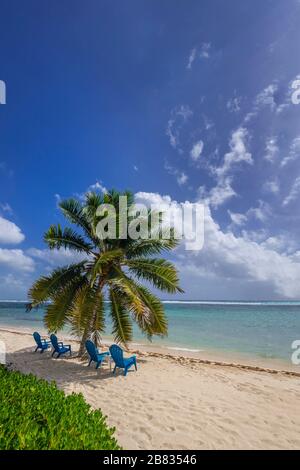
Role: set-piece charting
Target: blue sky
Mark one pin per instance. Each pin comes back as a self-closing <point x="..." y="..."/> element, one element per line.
<point x="189" y="101"/>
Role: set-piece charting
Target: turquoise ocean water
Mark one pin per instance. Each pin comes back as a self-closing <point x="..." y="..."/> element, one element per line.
<point x="258" y="329"/>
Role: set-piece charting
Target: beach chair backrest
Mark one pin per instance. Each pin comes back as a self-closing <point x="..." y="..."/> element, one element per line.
<point x="91" y="349"/>
<point x="37" y="338"/>
<point x="117" y="355"/>
<point x="54" y="341"/>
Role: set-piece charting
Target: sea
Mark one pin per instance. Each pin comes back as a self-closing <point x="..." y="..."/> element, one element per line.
<point x="264" y="330"/>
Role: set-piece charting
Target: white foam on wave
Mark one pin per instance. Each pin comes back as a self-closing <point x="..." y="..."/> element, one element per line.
<point x="218" y="302"/>
<point x="184" y="349"/>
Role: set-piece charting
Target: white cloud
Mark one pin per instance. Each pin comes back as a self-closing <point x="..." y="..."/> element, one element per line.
<point x="294" y="152"/>
<point x="271" y="149"/>
<point x="98" y="186"/>
<point x="261" y="213"/>
<point x="197" y="150"/>
<point x="5" y="207"/>
<point x="238" y="152"/>
<point x="16" y="259"/>
<point x="219" y="194"/>
<point x="182" y="179"/>
<point x="294" y="192"/>
<point x="271" y="186"/>
<point x="179" y="116"/>
<point x="237" y="219"/>
<point x="56" y="257"/>
<point x="234" y="104"/>
<point x="203" y="52"/>
<point x="10" y="233"/>
<point x="192" y="57"/>
<point x="266" y="98"/>
<point x="236" y="260"/>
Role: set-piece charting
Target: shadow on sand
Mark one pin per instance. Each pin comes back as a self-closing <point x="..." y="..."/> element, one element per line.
<point x="67" y="369"/>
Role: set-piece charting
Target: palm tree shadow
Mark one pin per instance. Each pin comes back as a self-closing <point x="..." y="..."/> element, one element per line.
<point x="63" y="370"/>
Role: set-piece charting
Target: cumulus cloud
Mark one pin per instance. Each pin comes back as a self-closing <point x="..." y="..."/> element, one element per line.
<point x="219" y="194"/>
<point x="16" y="260"/>
<point x="226" y="257"/>
<point x="10" y="233"/>
<point x="56" y="257"/>
<point x="197" y="150"/>
<point x="181" y="176"/>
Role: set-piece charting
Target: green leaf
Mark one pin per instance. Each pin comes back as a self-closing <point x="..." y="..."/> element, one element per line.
<point x="122" y="328"/>
<point x="56" y="237"/>
<point x="161" y="273"/>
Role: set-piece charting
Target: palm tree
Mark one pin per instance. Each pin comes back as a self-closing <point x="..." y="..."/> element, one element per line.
<point x="109" y="267"/>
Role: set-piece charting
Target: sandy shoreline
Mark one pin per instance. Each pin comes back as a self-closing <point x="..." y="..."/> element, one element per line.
<point x="176" y="402"/>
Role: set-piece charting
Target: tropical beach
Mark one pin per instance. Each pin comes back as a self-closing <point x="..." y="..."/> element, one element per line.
<point x="176" y="402"/>
<point x="149" y="228"/>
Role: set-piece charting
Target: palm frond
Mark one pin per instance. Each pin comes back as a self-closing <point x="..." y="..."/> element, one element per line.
<point x="161" y="273"/>
<point x="56" y="237"/>
<point x="87" y="313"/>
<point x="73" y="210"/>
<point x="58" y="312"/>
<point x="159" y="324"/>
<point x="151" y="246"/>
<point x="104" y="262"/>
<point x="122" y="327"/>
<point x="47" y="286"/>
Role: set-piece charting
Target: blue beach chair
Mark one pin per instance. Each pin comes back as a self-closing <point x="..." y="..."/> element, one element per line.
<point x="94" y="354"/>
<point x="117" y="355"/>
<point x="42" y="344"/>
<point x="59" y="347"/>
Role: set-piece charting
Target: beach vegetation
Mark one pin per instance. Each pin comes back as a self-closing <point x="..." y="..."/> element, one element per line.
<point x="36" y="415"/>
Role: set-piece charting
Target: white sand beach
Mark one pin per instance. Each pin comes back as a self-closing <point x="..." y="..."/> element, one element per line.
<point x="176" y="402"/>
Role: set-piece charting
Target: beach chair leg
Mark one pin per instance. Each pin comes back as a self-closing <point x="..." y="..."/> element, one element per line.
<point x="36" y="349"/>
<point x="53" y="354"/>
<point x="89" y="363"/>
<point x="135" y="366"/>
<point x="98" y="364"/>
<point x="115" y="368"/>
<point x="125" y="371"/>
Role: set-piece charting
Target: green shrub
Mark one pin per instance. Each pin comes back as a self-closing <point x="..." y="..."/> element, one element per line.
<point x="34" y="414"/>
